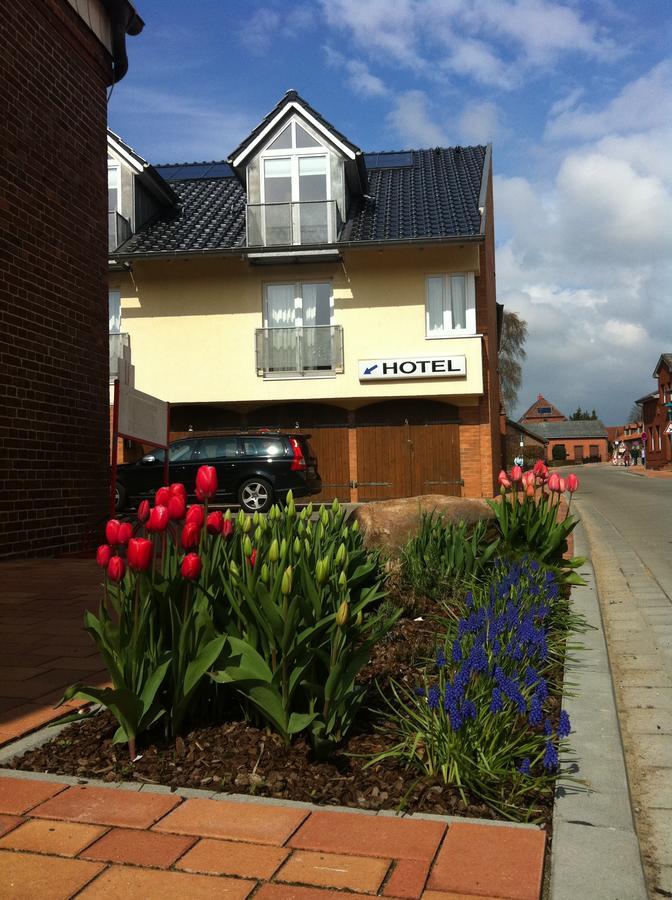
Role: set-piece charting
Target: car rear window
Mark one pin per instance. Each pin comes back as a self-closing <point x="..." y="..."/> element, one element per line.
<point x="219" y="448"/>
<point x="263" y="446"/>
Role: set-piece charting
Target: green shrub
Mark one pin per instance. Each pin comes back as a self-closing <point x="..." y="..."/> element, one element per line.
<point x="559" y="452"/>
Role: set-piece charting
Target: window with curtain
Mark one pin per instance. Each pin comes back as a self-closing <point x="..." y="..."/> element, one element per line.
<point x="298" y="317"/>
<point x="450" y="305"/>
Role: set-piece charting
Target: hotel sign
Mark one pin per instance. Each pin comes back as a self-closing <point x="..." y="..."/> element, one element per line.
<point x="412" y="367"/>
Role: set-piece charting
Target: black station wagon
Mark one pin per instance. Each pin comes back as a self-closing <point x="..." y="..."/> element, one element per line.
<point x="253" y="470"/>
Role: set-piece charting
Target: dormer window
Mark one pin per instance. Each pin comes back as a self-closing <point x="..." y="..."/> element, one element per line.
<point x="296" y="201"/>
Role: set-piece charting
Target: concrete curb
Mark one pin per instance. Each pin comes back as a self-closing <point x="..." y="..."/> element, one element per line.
<point x="595" y="851"/>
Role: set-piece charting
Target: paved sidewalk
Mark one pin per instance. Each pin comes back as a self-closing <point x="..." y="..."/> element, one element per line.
<point x="637" y="613"/>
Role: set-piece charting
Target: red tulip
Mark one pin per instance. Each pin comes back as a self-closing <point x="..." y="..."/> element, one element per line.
<point x="528" y="479"/>
<point x="214" y="522"/>
<point x="178" y="490"/>
<point x="112" y="531"/>
<point x="540" y="470"/>
<point x="206" y="482"/>
<point x="103" y="555"/>
<point x="143" y="511"/>
<point x="554" y="483"/>
<point x="503" y="480"/>
<point x="191" y="566"/>
<point x="227" y="529"/>
<point x="158" y="519"/>
<point x="516" y="474"/>
<point x="177" y="507"/>
<point x="191" y="535"/>
<point x="563" y="485"/>
<point x="252" y="558"/>
<point x="139" y="554"/>
<point x="125" y="533"/>
<point x="116" y="568"/>
<point x="529" y="490"/>
<point x="572" y="483"/>
<point x="162" y="496"/>
<point x="196" y="515"/>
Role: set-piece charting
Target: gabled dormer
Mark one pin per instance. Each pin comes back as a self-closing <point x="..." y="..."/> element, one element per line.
<point x="300" y="175"/>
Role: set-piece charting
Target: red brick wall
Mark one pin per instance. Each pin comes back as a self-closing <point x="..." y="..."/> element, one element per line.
<point x="655" y="422"/>
<point x="586" y="443"/>
<point x="54" y="441"/>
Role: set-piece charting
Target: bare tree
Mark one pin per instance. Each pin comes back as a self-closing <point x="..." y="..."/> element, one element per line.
<point x="511" y="355"/>
<point x="635" y="414"/>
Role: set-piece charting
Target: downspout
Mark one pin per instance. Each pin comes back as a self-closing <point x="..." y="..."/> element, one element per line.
<point x="123" y="20"/>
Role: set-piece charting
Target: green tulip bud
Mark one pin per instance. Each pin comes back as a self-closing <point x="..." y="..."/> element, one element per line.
<point x="309" y="530"/>
<point x="342" y="581"/>
<point x="240" y="518"/>
<point x="255" y="518"/>
<point x="344" y="533"/>
<point x="297" y="546"/>
<point x="358" y="619"/>
<point x="274" y="551"/>
<point x="324" y="516"/>
<point x="227" y="515"/>
<point x="247" y="525"/>
<point x="355" y="526"/>
<point x="335" y="506"/>
<point x="322" y="571"/>
<point x="302" y="514"/>
<point x="343" y="614"/>
<point x="247" y="547"/>
<point x="234" y="570"/>
<point x="283" y="548"/>
<point x="265" y="574"/>
<point x="341" y="555"/>
<point x="301" y="528"/>
<point x="286" y="585"/>
<point x="257" y="534"/>
<point x="306" y="544"/>
<point x="309" y="510"/>
<point x="320" y="531"/>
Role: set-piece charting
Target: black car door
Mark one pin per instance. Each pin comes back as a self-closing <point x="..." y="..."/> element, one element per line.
<point x="222" y="452"/>
<point x="183" y="464"/>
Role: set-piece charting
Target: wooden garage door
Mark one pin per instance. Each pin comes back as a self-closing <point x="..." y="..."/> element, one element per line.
<point x="331" y="448"/>
<point x="407" y="460"/>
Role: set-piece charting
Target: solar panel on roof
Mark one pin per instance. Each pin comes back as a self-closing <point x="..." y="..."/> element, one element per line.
<point x="220" y="170"/>
<point x="195" y="170"/>
<point x="389" y="160"/>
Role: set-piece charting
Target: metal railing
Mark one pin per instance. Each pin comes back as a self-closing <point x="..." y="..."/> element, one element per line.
<point x="118" y="230"/>
<point x="118" y="342"/>
<point x="289" y="224"/>
<point x="299" y="351"/>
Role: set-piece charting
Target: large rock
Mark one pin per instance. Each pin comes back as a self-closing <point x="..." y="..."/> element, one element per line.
<point x="389" y="524"/>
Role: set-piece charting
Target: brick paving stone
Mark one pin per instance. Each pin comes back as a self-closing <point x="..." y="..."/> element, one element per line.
<point x="450" y="895"/>
<point x="152" y="884"/>
<point x="408" y="879"/>
<point x="233" y="858"/>
<point x="27" y="717"/>
<point x="56" y="838"/>
<point x="18" y="795"/>
<point x="292" y="892"/>
<point x="9" y="822"/>
<point x="234" y="821"/>
<point x="27" y="876"/>
<point x="144" y="848"/>
<point x="107" y="806"/>
<point x="334" y="832"/>
<point x="357" y="873"/>
<point x="487" y="859"/>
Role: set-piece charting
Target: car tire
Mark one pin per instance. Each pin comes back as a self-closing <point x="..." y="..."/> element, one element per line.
<point x="255" y="495"/>
<point x="120" y="497"/>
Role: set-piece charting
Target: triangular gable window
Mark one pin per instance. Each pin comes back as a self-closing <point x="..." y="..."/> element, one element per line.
<point x="303" y="139"/>
<point x="284" y="140"/>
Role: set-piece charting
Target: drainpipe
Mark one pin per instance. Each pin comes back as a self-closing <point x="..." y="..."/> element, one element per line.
<point x="123" y="20"/>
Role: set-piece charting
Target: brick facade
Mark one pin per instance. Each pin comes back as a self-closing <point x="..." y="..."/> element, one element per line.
<point x="655" y="417"/>
<point x="54" y="442"/>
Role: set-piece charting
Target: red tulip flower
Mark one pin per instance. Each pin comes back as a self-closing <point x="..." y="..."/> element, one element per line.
<point x="540" y="470"/>
<point x="158" y="519"/>
<point x="214" y="522"/>
<point x="103" y="555"/>
<point x="139" y="554"/>
<point x="112" y="531"/>
<point x="563" y="485"/>
<point x="177" y="507"/>
<point x="529" y="490"/>
<point x="125" y="533"/>
<point x="143" y="511"/>
<point x="252" y="558"/>
<point x="503" y="480"/>
<point x="162" y="496"/>
<point x="196" y="515"/>
<point x="191" y="566"/>
<point x="116" y="568"/>
<point x="191" y="535"/>
<point x="554" y="483"/>
<point x="516" y="474"/>
<point x="227" y="529"/>
<point x="572" y="483"/>
<point x="206" y="482"/>
<point x="528" y="479"/>
<point x="178" y="490"/>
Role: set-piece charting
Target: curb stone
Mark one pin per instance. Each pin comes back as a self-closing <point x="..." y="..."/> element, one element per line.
<point x="595" y="851"/>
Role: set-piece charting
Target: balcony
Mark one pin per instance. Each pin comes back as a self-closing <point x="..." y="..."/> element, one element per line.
<point x="118" y="231"/>
<point x="299" y="352"/>
<point x="120" y="354"/>
<point x="291" y="224"/>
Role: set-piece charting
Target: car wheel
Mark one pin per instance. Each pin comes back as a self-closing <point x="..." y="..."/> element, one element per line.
<point x="255" y="495"/>
<point x="119" y="497"/>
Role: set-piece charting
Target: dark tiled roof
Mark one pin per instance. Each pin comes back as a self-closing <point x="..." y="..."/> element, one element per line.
<point x="437" y="196"/>
<point x="554" y="431"/>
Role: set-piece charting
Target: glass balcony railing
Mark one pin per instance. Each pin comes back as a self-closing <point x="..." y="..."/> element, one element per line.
<point x="299" y="351"/>
<point x="289" y="224"/>
<point x="118" y="230"/>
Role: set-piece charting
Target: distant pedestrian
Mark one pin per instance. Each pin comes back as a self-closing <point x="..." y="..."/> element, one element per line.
<point x="627" y="458"/>
<point x="519" y="461"/>
<point x="635" y="455"/>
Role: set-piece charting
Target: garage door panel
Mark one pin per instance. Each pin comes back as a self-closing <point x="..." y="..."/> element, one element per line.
<point x="435" y="460"/>
<point x="383" y="462"/>
<point x="331" y="448"/>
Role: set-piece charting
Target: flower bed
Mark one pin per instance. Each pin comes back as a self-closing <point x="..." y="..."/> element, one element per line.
<point x="269" y="655"/>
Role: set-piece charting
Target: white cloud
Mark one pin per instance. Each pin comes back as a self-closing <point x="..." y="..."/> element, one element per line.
<point x="479" y="123"/>
<point x="359" y="78"/>
<point x="267" y="23"/>
<point x="411" y="119"/>
<point x="625" y="334"/>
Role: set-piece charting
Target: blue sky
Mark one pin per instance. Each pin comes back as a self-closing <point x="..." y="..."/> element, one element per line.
<point x="575" y="96"/>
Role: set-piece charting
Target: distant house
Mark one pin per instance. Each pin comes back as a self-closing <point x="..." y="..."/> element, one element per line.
<point x="657" y="416"/>
<point x="542" y="411"/>
<point x="580" y="441"/>
<point x="522" y="441"/>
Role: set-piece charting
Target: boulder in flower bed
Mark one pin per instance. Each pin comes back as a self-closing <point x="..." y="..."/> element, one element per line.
<point x="388" y="524"/>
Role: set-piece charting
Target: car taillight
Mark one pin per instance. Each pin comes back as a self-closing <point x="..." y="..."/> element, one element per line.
<point x="299" y="461"/>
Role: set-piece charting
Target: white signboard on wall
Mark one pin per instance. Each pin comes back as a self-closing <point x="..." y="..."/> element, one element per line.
<point x="142" y="417"/>
<point x="412" y="367"/>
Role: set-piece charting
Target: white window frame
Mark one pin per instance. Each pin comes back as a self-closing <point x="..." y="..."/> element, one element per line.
<point x="470" y="298"/>
<point x="114" y="166"/>
<point x="298" y="299"/>
<point x="294" y="154"/>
